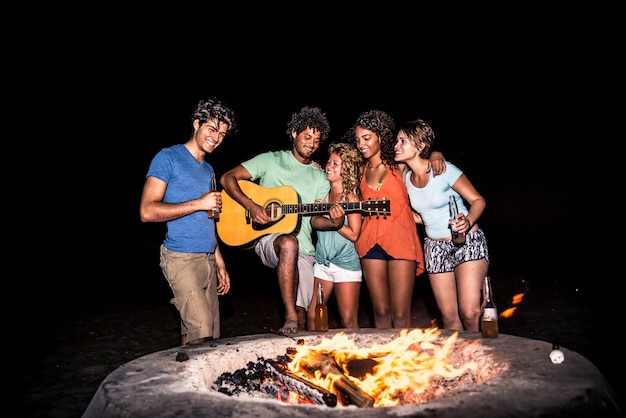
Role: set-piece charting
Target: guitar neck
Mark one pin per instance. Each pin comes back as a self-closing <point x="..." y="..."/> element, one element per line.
<point x="318" y="208"/>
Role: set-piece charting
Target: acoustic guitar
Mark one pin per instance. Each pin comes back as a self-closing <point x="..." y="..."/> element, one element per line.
<point x="235" y="226"/>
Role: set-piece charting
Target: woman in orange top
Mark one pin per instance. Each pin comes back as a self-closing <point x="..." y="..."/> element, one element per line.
<point x="389" y="247"/>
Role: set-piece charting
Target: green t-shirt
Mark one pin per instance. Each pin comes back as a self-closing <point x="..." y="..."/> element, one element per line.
<point x="280" y="168"/>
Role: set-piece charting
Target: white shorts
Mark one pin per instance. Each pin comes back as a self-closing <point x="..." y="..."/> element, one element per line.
<point x="265" y="250"/>
<point x="336" y="274"/>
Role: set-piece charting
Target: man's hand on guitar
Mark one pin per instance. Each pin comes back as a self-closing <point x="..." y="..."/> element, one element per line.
<point x="258" y="215"/>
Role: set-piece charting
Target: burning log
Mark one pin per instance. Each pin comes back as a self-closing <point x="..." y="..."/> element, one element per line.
<point x="326" y="365"/>
<point x="294" y="382"/>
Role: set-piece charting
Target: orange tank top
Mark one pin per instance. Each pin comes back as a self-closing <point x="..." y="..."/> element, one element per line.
<point x="396" y="233"/>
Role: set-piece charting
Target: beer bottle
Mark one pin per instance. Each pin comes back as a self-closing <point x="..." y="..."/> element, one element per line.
<point x="489" y="317"/>
<point x="457" y="238"/>
<point x="321" y="311"/>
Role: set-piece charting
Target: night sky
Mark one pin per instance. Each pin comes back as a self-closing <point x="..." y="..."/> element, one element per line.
<point x="503" y="106"/>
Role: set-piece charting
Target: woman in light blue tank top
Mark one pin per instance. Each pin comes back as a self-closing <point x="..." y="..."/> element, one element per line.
<point x="456" y="272"/>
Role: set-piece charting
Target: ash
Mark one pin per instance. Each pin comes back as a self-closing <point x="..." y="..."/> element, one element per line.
<point x="249" y="381"/>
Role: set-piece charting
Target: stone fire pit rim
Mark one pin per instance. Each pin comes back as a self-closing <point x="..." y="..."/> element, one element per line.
<point x="157" y="385"/>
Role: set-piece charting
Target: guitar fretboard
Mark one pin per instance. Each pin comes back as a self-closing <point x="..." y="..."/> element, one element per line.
<point x="316" y="208"/>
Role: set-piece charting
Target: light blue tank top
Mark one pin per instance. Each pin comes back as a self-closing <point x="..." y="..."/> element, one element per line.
<point x="431" y="201"/>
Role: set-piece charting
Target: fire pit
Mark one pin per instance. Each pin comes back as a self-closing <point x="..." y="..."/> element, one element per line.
<point x="180" y="382"/>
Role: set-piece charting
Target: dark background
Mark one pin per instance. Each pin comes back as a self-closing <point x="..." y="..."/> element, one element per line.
<point x="509" y="109"/>
<point x="519" y="100"/>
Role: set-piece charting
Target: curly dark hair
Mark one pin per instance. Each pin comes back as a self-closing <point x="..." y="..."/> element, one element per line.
<point x="383" y="125"/>
<point x="309" y="117"/>
<point x="213" y="109"/>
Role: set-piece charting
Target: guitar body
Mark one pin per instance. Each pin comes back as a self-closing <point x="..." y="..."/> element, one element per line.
<point x="235" y="228"/>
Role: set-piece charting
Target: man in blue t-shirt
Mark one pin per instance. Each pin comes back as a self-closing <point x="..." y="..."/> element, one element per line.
<point x="291" y="253"/>
<point x="178" y="191"/>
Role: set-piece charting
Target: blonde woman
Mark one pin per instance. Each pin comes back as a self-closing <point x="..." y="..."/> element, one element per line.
<point x="337" y="265"/>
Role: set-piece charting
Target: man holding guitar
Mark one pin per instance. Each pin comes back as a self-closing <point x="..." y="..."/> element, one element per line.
<point x="291" y="253"/>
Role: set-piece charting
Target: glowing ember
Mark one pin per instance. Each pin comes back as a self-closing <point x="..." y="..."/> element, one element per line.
<point x="517" y="299"/>
<point x="400" y="369"/>
<point x="508" y="312"/>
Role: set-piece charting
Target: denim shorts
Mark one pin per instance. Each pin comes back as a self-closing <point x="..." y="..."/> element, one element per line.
<point x="377" y="253"/>
<point x="444" y="257"/>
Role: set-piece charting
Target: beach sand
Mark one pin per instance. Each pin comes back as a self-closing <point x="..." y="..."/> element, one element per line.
<point x="80" y="341"/>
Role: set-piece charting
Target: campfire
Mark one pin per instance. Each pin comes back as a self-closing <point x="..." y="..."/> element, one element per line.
<point x="414" y="367"/>
<point x="467" y="376"/>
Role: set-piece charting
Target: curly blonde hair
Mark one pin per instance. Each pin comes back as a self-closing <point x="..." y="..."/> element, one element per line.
<point x="352" y="163"/>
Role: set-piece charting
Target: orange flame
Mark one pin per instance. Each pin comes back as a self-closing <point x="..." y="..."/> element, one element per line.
<point x="507" y="313"/>
<point x="517" y="299"/>
<point x="408" y="362"/>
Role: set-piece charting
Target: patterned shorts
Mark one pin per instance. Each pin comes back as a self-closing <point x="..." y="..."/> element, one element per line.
<point x="444" y="257"/>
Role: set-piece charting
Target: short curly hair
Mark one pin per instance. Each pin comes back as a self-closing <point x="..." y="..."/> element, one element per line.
<point x="213" y="109"/>
<point x="309" y="117"/>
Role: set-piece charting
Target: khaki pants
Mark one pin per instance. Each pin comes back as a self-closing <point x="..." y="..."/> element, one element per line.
<point x="193" y="280"/>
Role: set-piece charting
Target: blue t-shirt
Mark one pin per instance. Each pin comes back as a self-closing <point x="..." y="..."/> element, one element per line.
<point x="431" y="201"/>
<point x="280" y="168"/>
<point x="186" y="179"/>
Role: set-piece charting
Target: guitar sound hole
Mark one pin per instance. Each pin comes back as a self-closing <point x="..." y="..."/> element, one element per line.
<point x="273" y="210"/>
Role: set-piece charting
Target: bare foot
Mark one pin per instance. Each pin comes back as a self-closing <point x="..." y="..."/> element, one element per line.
<point x="198" y="341"/>
<point x="290" y="327"/>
